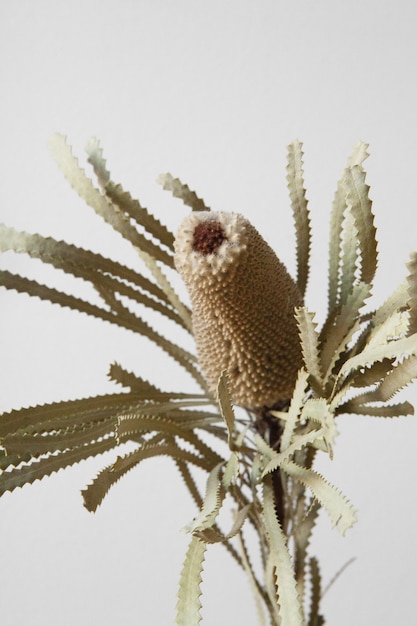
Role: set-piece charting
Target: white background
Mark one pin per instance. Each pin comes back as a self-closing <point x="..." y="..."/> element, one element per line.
<point x="212" y="91"/>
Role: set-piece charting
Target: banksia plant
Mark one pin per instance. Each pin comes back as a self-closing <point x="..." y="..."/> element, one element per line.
<point x="271" y="380"/>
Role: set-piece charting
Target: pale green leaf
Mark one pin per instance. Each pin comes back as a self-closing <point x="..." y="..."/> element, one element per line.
<point x="393" y="349"/>
<point x="257" y="590"/>
<point x="337" y="219"/>
<point x="212" y="502"/>
<point x="337" y="506"/>
<point x="340" y="333"/>
<point x="349" y="259"/>
<point x="299" y="442"/>
<point x="299" y="204"/>
<point x="290" y="609"/>
<point x="361" y="206"/>
<point x="393" y="327"/>
<point x="294" y="409"/>
<point x="226" y="409"/>
<point x="397" y="301"/>
<point x="211" y="535"/>
<point x="97" y="160"/>
<point x="302" y="534"/>
<point x="309" y="338"/>
<point x="401" y="376"/>
<point x="189" y="592"/>
<point x="231" y="471"/>
<point x="412" y="292"/>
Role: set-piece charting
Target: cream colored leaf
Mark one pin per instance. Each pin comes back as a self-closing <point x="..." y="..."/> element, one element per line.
<point x="392" y="328"/>
<point x="299" y="442"/>
<point x="338" y="508"/>
<point x="366" y="358"/>
<point x="299" y="203"/>
<point x="189" y="592"/>
<point x="361" y="206"/>
<point x="231" y="471"/>
<point x="309" y="344"/>
<point x="212" y="502"/>
<point x="211" y="535"/>
<point x="295" y="408"/>
<point x="359" y="154"/>
<point x="412" y="292"/>
<point x="97" y="160"/>
<point x="346" y="323"/>
<point x="226" y="409"/>
<point x="337" y="219"/>
<point x="401" y="376"/>
<point x="350" y="258"/>
<point x="290" y="609"/>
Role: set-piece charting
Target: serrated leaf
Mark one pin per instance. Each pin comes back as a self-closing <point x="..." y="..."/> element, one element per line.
<point x="349" y="259"/>
<point x="392" y="350"/>
<point x="97" y="160"/>
<point x="211" y="535"/>
<point x="83" y="185"/>
<point x="123" y="199"/>
<point x="189" y="592"/>
<point x="338" y="508"/>
<point x="290" y="610"/>
<point x="346" y="323"/>
<point x="38" y="469"/>
<point x="179" y="190"/>
<point x="412" y="292"/>
<point x="299" y="442"/>
<point x="299" y="204"/>
<point x="361" y="206"/>
<point x="401" y="376"/>
<point x="212" y="502"/>
<point x="309" y="338"/>
<point x="95" y="492"/>
<point x="337" y="218"/>
<point x="295" y="408"/>
<point x="302" y="535"/>
<point x="58" y="440"/>
<point x="226" y="409"/>
<point x="376" y="410"/>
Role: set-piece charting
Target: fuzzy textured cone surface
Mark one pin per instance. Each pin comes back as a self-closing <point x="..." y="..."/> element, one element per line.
<point x="243" y="302"/>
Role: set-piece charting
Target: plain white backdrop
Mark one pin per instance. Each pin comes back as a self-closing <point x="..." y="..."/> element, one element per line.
<point x="212" y="91"/>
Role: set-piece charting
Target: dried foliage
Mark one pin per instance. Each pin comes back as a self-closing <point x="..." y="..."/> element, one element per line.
<point x="356" y="362"/>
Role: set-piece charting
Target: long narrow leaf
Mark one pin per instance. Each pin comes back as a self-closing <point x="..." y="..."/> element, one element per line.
<point x="290" y="609"/>
<point x="299" y="204"/>
<point x="189" y="592"/>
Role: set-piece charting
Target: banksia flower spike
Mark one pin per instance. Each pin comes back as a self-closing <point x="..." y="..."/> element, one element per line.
<point x="243" y="301"/>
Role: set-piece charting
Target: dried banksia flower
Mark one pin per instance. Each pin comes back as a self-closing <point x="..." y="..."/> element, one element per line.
<point x="243" y="301"/>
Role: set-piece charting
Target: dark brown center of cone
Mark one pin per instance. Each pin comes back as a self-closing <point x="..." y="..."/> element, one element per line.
<point x="208" y="236"/>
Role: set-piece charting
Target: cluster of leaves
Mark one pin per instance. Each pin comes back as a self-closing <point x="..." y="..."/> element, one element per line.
<point x="356" y="363"/>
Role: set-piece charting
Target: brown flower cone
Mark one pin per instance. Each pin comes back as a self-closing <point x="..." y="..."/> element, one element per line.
<point x="243" y="301"/>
